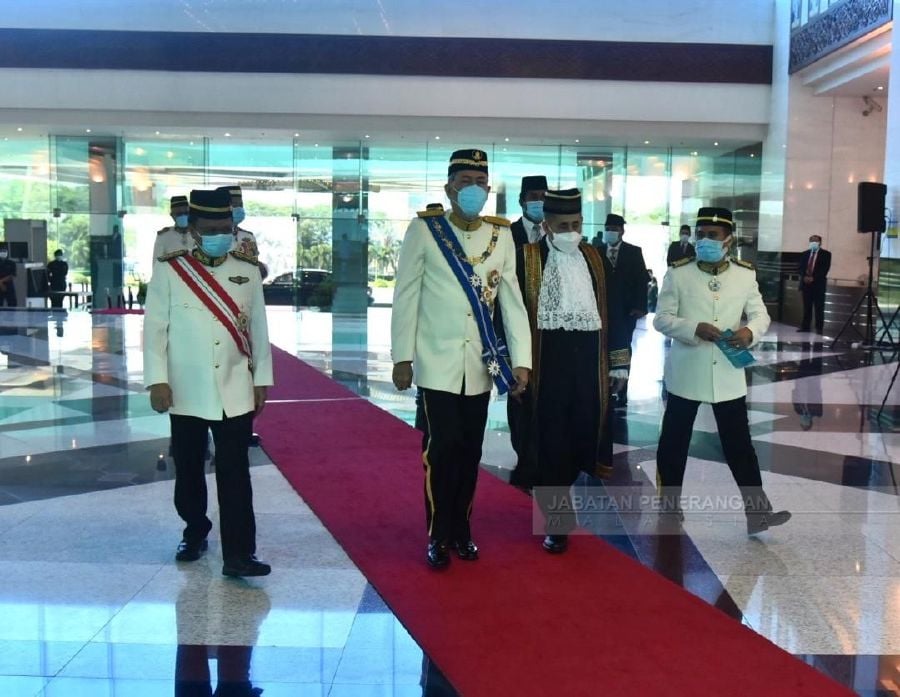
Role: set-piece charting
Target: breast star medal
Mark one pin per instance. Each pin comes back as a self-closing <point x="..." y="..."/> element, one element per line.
<point x="714" y="285"/>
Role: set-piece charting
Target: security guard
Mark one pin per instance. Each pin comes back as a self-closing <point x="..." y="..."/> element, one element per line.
<point x="177" y="236"/>
<point x="701" y="298"/>
<point x="207" y="361"/>
<point x="451" y="272"/>
<point x="244" y="240"/>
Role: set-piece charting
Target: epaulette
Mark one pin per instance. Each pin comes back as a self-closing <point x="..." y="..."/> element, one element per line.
<point x="431" y="212"/>
<point x="244" y="257"/>
<point x="165" y="229"/>
<point x="496" y="220"/>
<point x="173" y="255"/>
<point x="681" y="262"/>
<point x="746" y="264"/>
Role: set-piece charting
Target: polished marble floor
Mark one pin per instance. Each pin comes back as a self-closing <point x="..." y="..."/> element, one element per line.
<point x="92" y="603"/>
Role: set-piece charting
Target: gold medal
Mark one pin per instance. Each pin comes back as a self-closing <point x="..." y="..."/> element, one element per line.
<point x="714" y="285"/>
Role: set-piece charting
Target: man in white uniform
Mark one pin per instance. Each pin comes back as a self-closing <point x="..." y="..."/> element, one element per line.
<point x="451" y="272"/>
<point x="207" y="361"/>
<point x="175" y="237"/>
<point x="700" y="299"/>
<point x="244" y="240"/>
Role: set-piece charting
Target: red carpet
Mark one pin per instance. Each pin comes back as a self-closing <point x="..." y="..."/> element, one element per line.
<point x="519" y="621"/>
<point x="117" y="311"/>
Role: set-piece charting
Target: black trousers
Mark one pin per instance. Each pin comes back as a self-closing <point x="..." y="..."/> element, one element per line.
<point x="734" y="435"/>
<point x="56" y="298"/>
<point x="455" y="427"/>
<point x="568" y="413"/>
<point x="237" y="523"/>
<point x="9" y="295"/>
<point x="813" y="302"/>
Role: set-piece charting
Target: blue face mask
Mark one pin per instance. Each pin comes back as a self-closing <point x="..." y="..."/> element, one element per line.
<point x="181" y="220"/>
<point x="611" y="236"/>
<point x="216" y="245"/>
<point x="471" y="200"/>
<point x="534" y="210"/>
<point x="710" y="251"/>
<point x="814" y="246"/>
<point x="237" y="213"/>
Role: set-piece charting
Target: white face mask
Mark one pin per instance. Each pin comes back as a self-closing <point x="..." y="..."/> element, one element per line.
<point x="566" y="242"/>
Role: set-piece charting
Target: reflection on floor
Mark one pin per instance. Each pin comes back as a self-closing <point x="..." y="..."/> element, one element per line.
<point x="92" y="602"/>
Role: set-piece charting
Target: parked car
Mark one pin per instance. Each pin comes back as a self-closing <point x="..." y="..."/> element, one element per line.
<point x="304" y="287"/>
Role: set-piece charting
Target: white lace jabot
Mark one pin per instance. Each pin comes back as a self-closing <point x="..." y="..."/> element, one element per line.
<point x="567" y="298"/>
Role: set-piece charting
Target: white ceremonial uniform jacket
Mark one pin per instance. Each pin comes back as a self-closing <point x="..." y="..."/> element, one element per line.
<point x="208" y="375"/>
<point x="171" y="239"/>
<point x="697" y="369"/>
<point x="432" y="323"/>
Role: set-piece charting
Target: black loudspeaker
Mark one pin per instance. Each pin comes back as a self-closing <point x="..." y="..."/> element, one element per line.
<point x="870" y="207"/>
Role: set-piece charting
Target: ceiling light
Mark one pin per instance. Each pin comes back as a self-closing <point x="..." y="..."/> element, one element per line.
<point x="437" y="137"/>
<point x="157" y="133"/>
<point x="577" y="140"/>
<point x="19" y="129"/>
<point x="87" y="130"/>
<point x="140" y="151"/>
<point x="228" y="135"/>
<point x="296" y="135"/>
<point x="506" y="140"/>
<point x="880" y="88"/>
<point x="752" y="155"/>
<point x="646" y="142"/>
<point x="716" y="143"/>
<point x="367" y="135"/>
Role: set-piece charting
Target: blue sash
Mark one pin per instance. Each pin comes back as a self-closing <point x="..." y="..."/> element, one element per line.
<point x="494" y="352"/>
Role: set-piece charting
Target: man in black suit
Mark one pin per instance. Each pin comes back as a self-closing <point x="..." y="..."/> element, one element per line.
<point x="528" y="228"/>
<point x="629" y="280"/>
<point x="682" y="249"/>
<point x="813" y="269"/>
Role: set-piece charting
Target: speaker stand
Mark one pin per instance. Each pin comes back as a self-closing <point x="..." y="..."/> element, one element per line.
<point x="871" y="300"/>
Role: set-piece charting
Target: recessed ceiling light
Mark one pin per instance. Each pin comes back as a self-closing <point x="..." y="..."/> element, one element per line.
<point x="19" y="129"/>
<point x="506" y="139"/>
<point x="646" y="142"/>
<point x="716" y="143"/>
<point x="192" y="142"/>
<point x="367" y="135"/>
<point x="695" y="153"/>
<point x="157" y="133"/>
<point x="296" y="135"/>
<point x="317" y="145"/>
<point x="577" y="140"/>
<point x="437" y="137"/>
<point x="880" y="87"/>
<point x="752" y="155"/>
<point x="228" y="135"/>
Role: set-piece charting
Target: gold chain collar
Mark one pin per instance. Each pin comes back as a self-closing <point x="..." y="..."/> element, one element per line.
<point x="473" y="261"/>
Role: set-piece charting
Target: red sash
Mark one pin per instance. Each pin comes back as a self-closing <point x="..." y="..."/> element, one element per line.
<point x="216" y="299"/>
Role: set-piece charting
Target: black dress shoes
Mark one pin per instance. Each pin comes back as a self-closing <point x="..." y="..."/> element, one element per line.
<point x="760" y="522"/>
<point x="191" y="550"/>
<point x="467" y="551"/>
<point x="251" y="566"/>
<point x="438" y="555"/>
<point x="556" y="544"/>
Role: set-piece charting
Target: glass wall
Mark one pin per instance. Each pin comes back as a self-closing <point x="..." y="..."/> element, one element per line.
<point x="337" y="212"/>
